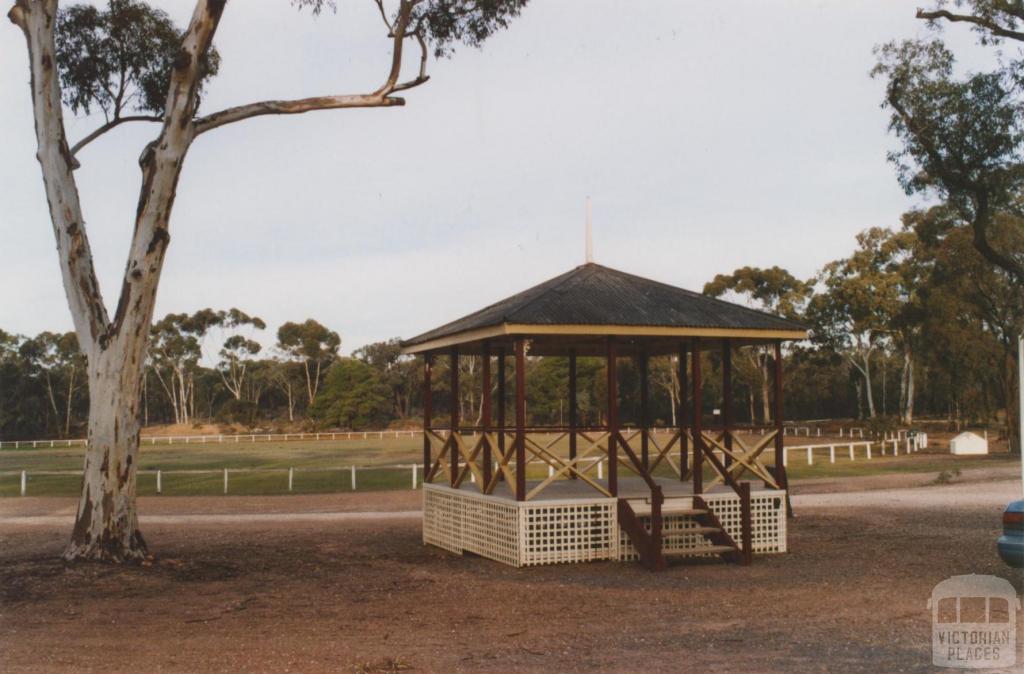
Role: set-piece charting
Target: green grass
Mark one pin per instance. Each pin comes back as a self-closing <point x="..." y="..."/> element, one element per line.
<point x="323" y="467"/>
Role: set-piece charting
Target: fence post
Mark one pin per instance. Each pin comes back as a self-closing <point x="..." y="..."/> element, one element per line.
<point x="810" y="456"/>
<point x="353" y="478"/>
<point x="851" y="452"/>
<point x="785" y="457"/>
<point x="291" y="477"/>
<point x="159" y="483"/>
<point x="831" y="453"/>
<point x="869" y="450"/>
<point x="895" y="447"/>
<point x="819" y="431"/>
<point x="414" y="467"/>
<point x="24" y="480"/>
<point x="225" y="480"/>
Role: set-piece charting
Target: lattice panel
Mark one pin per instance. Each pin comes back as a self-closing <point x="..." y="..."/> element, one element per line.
<point x="552" y="532"/>
<point x="568" y="532"/>
<point x="442" y="518"/>
<point x="768" y="524"/>
<point x="490" y="529"/>
<point x="767" y="514"/>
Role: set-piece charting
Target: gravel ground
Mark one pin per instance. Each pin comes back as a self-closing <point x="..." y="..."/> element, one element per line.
<point x="350" y="594"/>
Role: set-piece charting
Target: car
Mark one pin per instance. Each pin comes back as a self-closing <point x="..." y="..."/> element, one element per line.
<point x="1011" y="543"/>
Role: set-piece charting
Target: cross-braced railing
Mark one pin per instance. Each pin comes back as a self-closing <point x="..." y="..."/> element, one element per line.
<point x="728" y="454"/>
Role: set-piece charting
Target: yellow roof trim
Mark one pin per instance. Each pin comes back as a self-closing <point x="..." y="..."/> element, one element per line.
<point x="527" y="330"/>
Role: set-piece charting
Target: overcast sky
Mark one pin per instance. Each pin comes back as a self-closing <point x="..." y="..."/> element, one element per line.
<point x="710" y="135"/>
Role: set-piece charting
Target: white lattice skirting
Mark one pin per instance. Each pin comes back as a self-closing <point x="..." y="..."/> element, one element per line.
<point x="575" y="530"/>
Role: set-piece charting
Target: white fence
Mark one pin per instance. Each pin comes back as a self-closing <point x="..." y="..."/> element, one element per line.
<point x="353" y="471"/>
<point x="221" y="439"/>
<point x="251" y="438"/>
<point x="908" y="444"/>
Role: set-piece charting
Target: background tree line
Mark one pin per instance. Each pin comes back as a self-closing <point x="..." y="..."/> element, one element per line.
<point x="914" y="321"/>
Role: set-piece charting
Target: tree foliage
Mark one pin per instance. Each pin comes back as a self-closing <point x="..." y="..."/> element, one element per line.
<point x="961" y="136"/>
<point x="120" y="59"/>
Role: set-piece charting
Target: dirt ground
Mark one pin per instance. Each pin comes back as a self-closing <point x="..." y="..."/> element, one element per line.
<point x="298" y="593"/>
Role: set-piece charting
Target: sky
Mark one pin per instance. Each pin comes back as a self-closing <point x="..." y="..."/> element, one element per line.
<point x="709" y="136"/>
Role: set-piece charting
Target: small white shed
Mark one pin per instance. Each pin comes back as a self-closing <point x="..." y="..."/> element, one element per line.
<point x="968" y="443"/>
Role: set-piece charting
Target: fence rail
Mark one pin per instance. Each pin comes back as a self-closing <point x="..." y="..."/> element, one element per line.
<point x="251" y="438"/>
<point x="909" y="445"/>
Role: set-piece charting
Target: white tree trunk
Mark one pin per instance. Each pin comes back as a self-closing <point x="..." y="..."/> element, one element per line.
<point x="106" y="526"/>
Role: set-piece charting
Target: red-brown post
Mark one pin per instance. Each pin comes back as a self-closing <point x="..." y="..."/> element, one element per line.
<point x="573" y="410"/>
<point x="485" y="411"/>
<point x="428" y="410"/>
<point x="453" y="444"/>
<point x="613" y="418"/>
<point x="727" y="419"/>
<point x="520" y="419"/>
<point x="501" y="406"/>
<point x="645" y="417"/>
<point x="681" y="414"/>
<point x="779" y="437"/>
<point x="698" y="403"/>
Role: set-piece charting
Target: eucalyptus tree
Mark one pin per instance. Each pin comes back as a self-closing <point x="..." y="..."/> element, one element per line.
<point x="774" y="290"/>
<point x="962" y="136"/>
<point x="974" y="311"/>
<point x="238" y="350"/>
<point x="401" y="374"/>
<point x="313" y="346"/>
<point x="60" y="364"/>
<point x="133" y="64"/>
<point x="853" y="315"/>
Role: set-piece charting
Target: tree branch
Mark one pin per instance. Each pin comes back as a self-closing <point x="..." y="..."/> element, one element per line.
<point x="36" y="20"/>
<point x="979" y="225"/>
<point x="987" y="24"/>
<point x="110" y="125"/>
<point x="381" y="98"/>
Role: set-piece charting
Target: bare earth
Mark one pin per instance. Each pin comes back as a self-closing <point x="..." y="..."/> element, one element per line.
<point x="322" y="583"/>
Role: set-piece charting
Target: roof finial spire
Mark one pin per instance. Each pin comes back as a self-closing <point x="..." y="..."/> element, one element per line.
<point x="590" y="235"/>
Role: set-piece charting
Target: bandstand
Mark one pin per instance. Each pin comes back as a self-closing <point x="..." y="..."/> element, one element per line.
<point x="524" y="494"/>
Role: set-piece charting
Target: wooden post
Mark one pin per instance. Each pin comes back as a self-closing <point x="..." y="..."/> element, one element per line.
<point x="779" y="438"/>
<point x="613" y="418"/>
<point x="485" y="411"/>
<point x="645" y="420"/>
<point x="453" y="368"/>
<point x="520" y="419"/>
<point x="682" y="415"/>
<point x="727" y="419"/>
<point x="428" y="410"/>
<point x="501" y="406"/>
<point x="573" y="410"/>
<point x="698" y="403"/>
<point x="746" y="526"/>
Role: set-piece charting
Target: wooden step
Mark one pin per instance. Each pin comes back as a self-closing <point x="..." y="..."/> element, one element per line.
<point x="705" y="550"/>
<point x="644" y="510"/>
<point x="694" y="530"/>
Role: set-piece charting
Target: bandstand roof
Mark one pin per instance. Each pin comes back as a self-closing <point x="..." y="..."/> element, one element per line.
<point x="582" y="307"/>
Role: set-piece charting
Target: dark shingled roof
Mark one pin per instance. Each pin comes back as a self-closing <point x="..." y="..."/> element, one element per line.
<point x="592" y="294"/>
